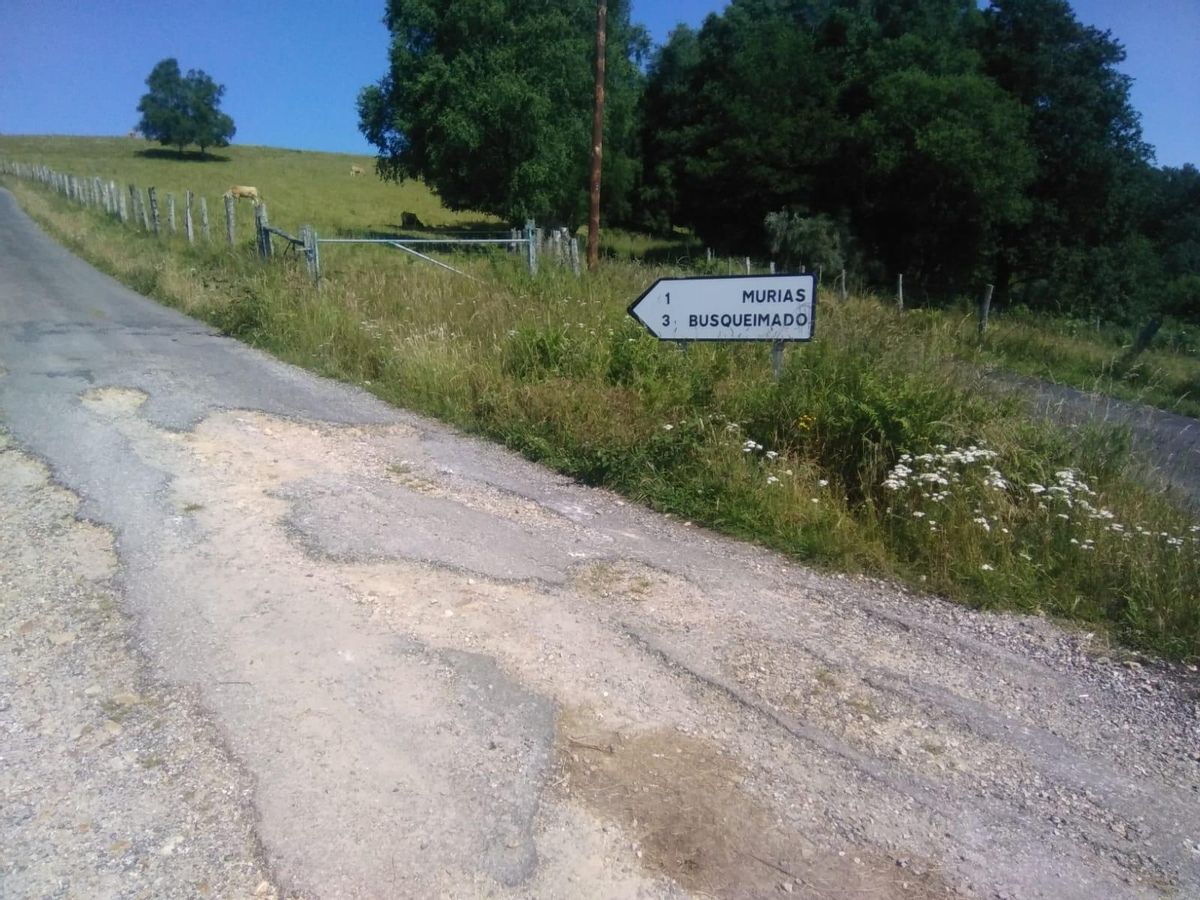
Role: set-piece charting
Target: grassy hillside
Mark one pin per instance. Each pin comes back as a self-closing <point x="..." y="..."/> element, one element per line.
<point x="878" y="450"/>
<point x="299" y="186"/>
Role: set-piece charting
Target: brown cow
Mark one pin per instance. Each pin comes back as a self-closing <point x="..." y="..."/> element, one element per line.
<point x="244" y="192"/>
<point x="356" y="170"/>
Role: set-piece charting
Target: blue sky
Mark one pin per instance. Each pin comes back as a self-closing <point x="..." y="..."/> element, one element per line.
<point x="294" y="68"/>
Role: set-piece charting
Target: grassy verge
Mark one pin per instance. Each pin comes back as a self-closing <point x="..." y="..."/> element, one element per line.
<point x="876" y="451"/>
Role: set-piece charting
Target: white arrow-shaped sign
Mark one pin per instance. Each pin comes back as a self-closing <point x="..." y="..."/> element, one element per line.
<point x="729" y="308"/>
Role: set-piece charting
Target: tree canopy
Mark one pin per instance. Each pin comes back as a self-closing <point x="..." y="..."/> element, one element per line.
<point x="179" y="110"/>
<point x="489" y="101"/>
<point x="933" y="138"/>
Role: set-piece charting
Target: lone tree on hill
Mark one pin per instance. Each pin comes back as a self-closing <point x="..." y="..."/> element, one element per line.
<point x="178" y="110"/>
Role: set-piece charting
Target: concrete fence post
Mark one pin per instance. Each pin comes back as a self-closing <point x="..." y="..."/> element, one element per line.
<point x="187" y="217"/>
<point x="531" y="247"/>
<point x="573" y="250"/>
<point x="171" y="213"/>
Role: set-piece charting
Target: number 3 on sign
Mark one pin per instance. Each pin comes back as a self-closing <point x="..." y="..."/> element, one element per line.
<point x="666" y="321"/>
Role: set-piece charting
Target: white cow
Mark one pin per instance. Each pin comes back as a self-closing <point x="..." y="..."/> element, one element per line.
<point x="244" y="192"/>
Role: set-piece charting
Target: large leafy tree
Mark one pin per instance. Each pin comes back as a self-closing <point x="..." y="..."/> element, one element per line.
<point x="1089" y="149"/>
<point x="490" y="102"/>
<point x="179" y="110"/>
<point x="210" y="126"/>
<point x="878" y="115"/>
<point x="738" y="119"/>
<point x="936" y="159"/>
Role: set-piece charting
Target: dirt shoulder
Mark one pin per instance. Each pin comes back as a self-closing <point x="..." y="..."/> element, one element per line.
<point x="112" y="784"/>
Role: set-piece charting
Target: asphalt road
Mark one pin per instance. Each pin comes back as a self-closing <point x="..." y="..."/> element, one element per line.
<point x="262" y="635"/>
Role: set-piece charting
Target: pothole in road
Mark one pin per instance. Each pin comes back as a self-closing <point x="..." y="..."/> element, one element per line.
<point x="684" y="801"/>
<point x="114" y="401"/>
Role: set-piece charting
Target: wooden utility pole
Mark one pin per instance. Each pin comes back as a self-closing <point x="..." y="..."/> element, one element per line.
<point x="593" y="239"/>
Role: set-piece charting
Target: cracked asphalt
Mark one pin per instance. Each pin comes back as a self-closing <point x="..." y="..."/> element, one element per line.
<point x="263" y="635"/>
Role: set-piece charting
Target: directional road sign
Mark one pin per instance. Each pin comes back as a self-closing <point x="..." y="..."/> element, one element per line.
<point x="733" y="308"/>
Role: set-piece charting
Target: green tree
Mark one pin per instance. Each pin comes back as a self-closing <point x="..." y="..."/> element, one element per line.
<point x="738" y="119"/>
<point x="1089" y="149"/>
<point x="796" y="239"/>
<point x="177" y="110"/>
<point x="489" y="101"/>
<point x="878" y="115"/>
<point x="210" y="126"/>
<point x="164" y="107"/>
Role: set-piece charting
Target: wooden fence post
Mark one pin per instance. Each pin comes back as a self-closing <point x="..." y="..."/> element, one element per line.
<point x="187" y="217"/>
<point x="985" y="307"/>
<point x="845" y="293"/>
<point x="900" y="292"/>
<point x="264" y="237"/>
<point x="229" y="201"/>
<point x="204" y="218"/>
<point x="153" y="194"/>
<point x="171" y="213"/>
<point x="747" y="265"/>
<point x="135" y="210"/>
<point x="309" y="236"/>
<point x="122" y="211"/>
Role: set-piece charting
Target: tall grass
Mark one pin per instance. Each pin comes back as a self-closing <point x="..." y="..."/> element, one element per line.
<point x="1090" y="357"/>
<point x="840" y="463"/>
